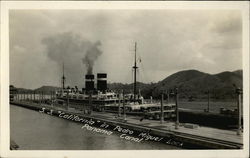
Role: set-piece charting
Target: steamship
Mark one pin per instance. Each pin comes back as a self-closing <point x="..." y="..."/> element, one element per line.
<point x="100" y="98"/>
<point x="89" y="95"/>
<point x="103" y="99"/>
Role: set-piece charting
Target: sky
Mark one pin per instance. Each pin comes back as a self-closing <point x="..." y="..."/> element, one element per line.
<point x="168" y="41"/>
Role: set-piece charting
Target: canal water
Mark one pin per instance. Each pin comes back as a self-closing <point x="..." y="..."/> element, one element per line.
<point x="32" y="130"/>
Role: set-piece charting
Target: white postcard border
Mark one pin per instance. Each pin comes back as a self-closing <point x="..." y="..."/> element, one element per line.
<point x="5" y="133"/>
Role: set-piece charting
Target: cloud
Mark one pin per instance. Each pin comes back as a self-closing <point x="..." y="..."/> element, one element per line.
<point x="168" y="41"/>
<point x="231" y="23"/>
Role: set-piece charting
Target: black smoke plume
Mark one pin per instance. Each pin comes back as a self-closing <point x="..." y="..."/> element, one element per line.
<point x="91" y="55"/>
<point x="72" y="50"/>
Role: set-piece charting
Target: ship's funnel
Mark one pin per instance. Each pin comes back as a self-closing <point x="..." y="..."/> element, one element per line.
<point x="89" y="82"/>
<point x="102" y="81"/>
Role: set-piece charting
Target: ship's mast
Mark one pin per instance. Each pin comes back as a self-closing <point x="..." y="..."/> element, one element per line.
<point x="63" y="78"/>
<point x="135" y="67"/>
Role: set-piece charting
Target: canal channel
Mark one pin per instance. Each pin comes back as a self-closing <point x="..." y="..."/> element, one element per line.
<point x="33" y="130"/>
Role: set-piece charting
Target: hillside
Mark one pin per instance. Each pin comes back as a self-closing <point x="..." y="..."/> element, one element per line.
<point x="195" y="84"/>
<point x="47" y="89"/>
<point x="192" y="84"/>
<point x="129" y="87"/>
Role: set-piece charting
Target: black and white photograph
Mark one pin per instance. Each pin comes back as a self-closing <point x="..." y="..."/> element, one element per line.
<point x="127" y="79"/>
